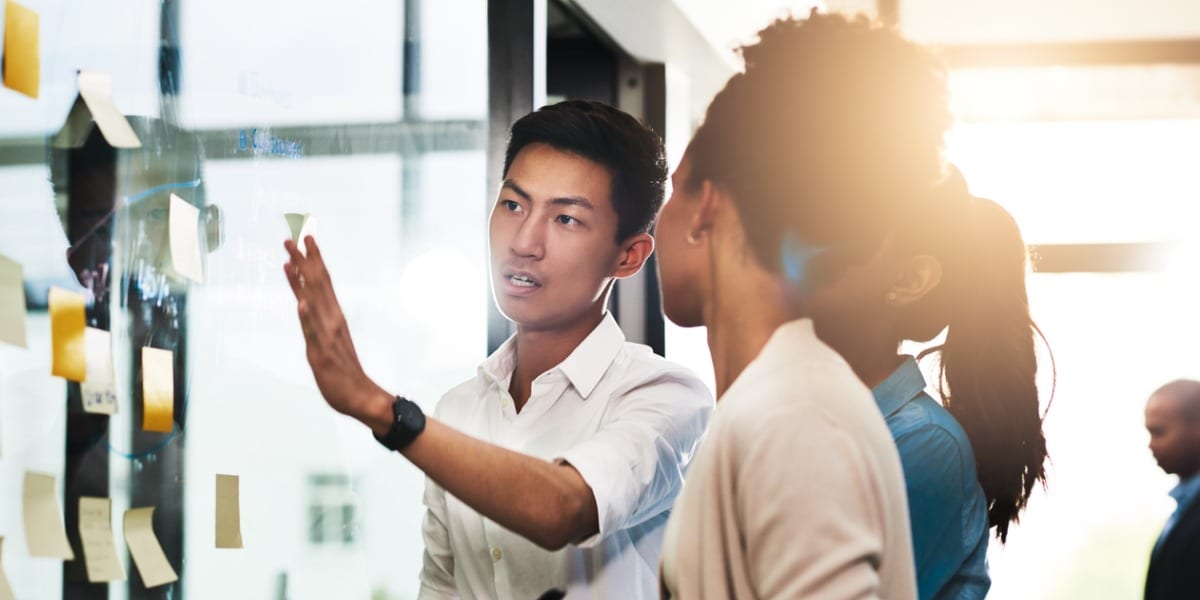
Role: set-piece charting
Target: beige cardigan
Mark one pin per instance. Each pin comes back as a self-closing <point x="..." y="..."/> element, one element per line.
<point x="796" y="491"/>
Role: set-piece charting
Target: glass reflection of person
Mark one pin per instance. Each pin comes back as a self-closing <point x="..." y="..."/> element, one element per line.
<point x="556" y="466"/>
<point x="113" y="207"/>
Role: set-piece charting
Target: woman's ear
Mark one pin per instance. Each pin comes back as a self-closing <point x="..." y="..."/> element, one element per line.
<point x="917" y="277"/>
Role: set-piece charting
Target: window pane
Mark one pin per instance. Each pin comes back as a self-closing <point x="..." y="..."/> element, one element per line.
<point x="337" y="62"/>
<point x="1087" y="181"/>
<point x="1090" y="533"/>
<point x="982" y="21"/>
<point x="118" y="37"/>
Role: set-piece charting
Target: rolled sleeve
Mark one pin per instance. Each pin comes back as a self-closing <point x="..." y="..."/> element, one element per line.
<point x="636" y="462"/>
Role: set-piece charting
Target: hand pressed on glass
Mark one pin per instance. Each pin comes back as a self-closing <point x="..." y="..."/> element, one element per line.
<point x="330" y="351"/>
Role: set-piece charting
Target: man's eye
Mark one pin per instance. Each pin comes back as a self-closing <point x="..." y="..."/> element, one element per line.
<point x="566" y="219"/>
<point x="510" y="205"/>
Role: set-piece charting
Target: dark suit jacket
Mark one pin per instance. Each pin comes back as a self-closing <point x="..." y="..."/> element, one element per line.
<point x="1175" y="568"/>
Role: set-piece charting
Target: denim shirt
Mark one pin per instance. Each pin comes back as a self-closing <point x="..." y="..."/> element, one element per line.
<point x="1184" y="494"/>
<point x="945" y="501"/>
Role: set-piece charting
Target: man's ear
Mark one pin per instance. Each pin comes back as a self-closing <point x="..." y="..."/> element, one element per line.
<point x="918" y="276"/>
<point x="635" y="251"/>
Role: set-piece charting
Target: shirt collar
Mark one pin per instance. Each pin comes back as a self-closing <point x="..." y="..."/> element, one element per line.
<point x="584" y="367"/>
<point x="1187" y="490"/>
<point x="592" y="357"/>
<point x="900" y="388"/>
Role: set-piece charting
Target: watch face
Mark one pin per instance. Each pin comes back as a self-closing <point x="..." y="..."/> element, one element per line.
<point x="408" y="415"/>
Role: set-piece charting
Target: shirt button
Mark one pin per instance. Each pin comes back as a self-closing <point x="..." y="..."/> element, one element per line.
<point x="497" y="554"/>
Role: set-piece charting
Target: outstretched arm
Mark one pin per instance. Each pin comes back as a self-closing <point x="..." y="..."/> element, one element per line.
<point x="546" y="502"/>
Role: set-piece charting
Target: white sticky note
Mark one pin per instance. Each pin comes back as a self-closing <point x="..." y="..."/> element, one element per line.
<point x="95" y="104"/>
<point x="147" y="553"/>
<point x="301" y="225"/>
<point x="184" y="233"/>
<point x="12" y="303"/>
<point x="99" y="390"/>
<point x="229" y="521"/>
<point x="96" y="537"/>
<point x="6" y="592"/>
<point x="44" y="531"/>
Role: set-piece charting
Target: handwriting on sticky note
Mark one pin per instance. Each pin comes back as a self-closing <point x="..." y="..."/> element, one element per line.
<point x="12" y="303"/>
<point x="183" y="231"/>
<point x="147" y="554"/>
<point x="158" y="389"/>
<point x="6" y="592"/>
<point x="68" y="320"/>
<point x="96" y="537"/>
<point x="99" y="390"/>
<point x="229" y="521"/>
<point x="22" y="62"/>
<point x="44" y="531"/>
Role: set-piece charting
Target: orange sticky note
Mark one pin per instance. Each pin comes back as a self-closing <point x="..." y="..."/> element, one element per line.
<point x="22" y="66"/>
<point x="68" y="321"/>
<point x="158" y="389"/>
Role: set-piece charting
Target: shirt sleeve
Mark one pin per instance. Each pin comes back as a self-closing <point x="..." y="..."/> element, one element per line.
<point x="812" y="527"/>
<point x="934" y="476"/>
<point x="635" y="463"/>
<point x="437" y="571"/>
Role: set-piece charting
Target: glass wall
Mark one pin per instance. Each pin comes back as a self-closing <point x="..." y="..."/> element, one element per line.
<point x="370" y="116"/>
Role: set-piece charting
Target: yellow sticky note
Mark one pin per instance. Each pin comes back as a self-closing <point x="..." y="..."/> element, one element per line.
<point x="301" y="225"/>
<point x="96" y="536"/>
<point x="229" y="520"/>
<point x="147" y="554"/>
<point x="99" y="390"/>
<point x="22" y="66"/>
<point x="12" y="303"/>
<point x="158" y="389"/>
<point x="68" y="320"/>
<point x="6" y="592"/>
<point x="183" y="231"/>
<point x="44" y="531"/>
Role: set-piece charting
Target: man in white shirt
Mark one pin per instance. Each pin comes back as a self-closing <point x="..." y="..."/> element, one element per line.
<point x="556" y="465"/>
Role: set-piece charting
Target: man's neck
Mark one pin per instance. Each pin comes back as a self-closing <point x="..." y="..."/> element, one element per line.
<point x="538" y="351"/>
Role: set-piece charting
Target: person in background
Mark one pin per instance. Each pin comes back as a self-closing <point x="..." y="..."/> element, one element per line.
<point x="556" y="465"/>
<point x="952" y="263"/>
<point x="1173" y="420"/>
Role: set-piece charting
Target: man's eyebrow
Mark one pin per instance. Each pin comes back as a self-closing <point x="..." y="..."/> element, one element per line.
<point x="579" y="201"/>
<point x="512" y="185"/>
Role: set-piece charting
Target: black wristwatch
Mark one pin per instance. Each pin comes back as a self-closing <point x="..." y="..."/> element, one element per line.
<point x="407" y="423"/>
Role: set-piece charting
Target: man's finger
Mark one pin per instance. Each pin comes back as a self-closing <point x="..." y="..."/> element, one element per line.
<point x="289" y="270"/>
<point x="293" y="251"/>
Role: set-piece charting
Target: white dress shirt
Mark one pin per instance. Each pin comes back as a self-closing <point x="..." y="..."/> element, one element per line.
<point x="626" y="419"/>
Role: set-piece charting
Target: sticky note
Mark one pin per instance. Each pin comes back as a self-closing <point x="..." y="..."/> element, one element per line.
<point x="147" y="554"/>
<point x="12" y="303"/>
<point x="229" y="521"/>
<point x="158" y="389"/>
<point x="99" y="390"/>
<point x="67" y="324"/>
<point x="6" y="592"/>
<point x="44" y="531"/>
<point x="22" y="67"/>
<point x="183" y="231"/>
<point x="302" y="226"/>
<point x="95" y="104"/>
<point x="96" y="536"/>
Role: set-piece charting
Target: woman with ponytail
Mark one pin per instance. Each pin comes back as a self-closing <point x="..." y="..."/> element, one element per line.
<point x="952" y="263"/>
